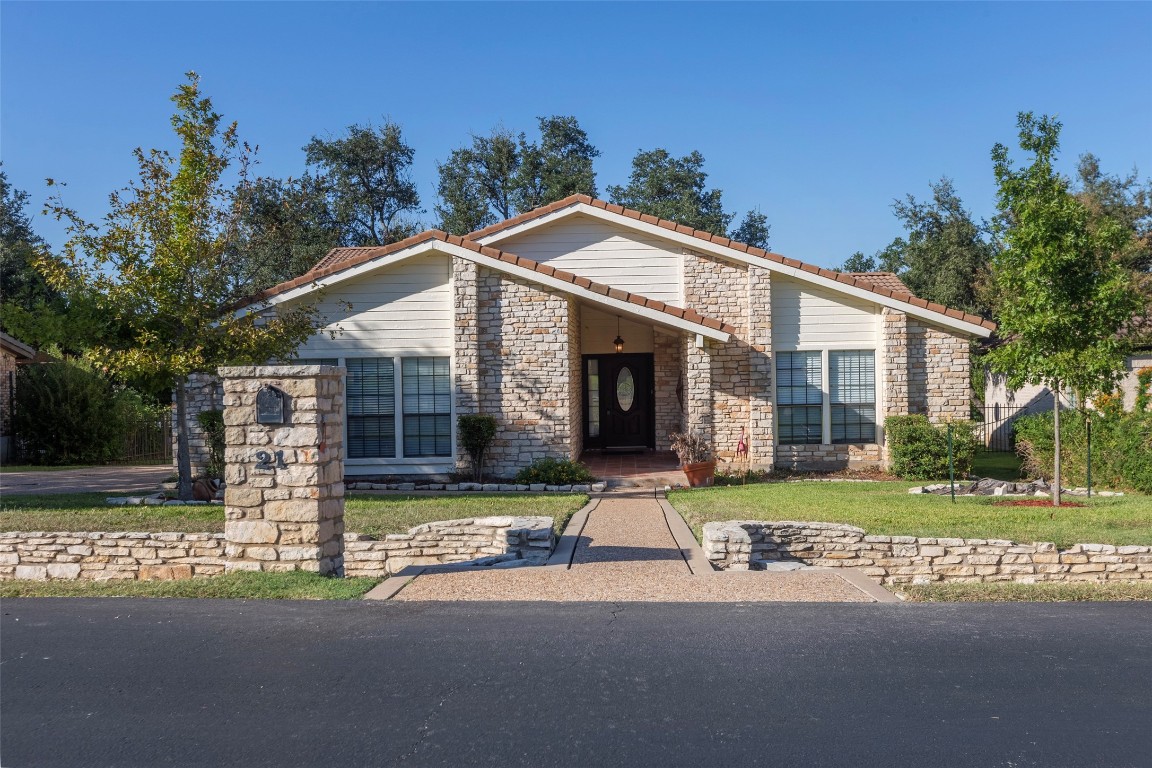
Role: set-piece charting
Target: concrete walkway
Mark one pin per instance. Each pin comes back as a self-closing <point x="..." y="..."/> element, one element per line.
<point x="94" y="479"/>
<point x="626" y="552"/>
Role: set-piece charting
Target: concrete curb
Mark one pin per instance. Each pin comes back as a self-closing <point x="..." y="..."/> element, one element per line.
<point x="387" y="589"/>
<point x="693" y="554"/>
<point x="561" y="558"/>
<point x="862" y="583"/>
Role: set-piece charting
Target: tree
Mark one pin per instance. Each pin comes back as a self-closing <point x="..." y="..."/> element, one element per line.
<point x="503" y="174"/>
<point x="753" y="230"/>
<point x="367" y="175"/>
<point x="946" y="254"/>
<point x="1124" y="199"/>
<point x="160" y="266"/>
<point x="21" y="283"/>
<point x="1064" y="295"/>
<point x="673" y="188"/>
<point x="858" y="262"/>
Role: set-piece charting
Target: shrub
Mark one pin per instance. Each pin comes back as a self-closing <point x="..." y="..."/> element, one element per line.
<point x="1121" y="447"/>
<point x="67" y="412"/>
<point x="476" y="434"/>
<point x="212" y="424"/>
<point x="554" y="472"/>
<point x="919" y="449"/>
<point x="691" y="448"/>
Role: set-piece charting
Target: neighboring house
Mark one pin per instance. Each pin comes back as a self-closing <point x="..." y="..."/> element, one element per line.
<point x="12" y="354"/>
<point x="1002" y="406"/>
<point x="586" y="326"/>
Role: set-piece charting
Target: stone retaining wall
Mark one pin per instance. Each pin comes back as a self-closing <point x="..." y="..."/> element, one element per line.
<point x="746" y="545"/>
<point x="149" y="556"/>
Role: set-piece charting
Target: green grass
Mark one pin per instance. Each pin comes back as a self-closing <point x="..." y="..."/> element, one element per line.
<point x="380" y="515"/>
<point x="296" y="585"/>
<point x="368" y="514"/>
<point x="1007" y="592"/>
<point x="887" y="509"/>
<point x="999" y="465"/>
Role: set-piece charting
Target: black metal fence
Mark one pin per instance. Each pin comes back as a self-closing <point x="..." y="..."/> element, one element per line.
<point x="999" y="434"/>
<point x="148" y="441"/>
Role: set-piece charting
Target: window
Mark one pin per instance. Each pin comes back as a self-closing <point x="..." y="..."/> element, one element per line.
<point x="826" y="396"/>
<point x="371" y="407"/>
<point x="799" y="397"/>
<point x="852" y="394"/>
<point x="593" y="379"/>
<point x="427" y="406"/>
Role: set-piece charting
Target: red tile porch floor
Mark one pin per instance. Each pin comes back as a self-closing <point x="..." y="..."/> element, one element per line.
<point x="646" y="469"/>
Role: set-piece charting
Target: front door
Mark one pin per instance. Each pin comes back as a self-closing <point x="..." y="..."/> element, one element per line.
<point x="618" y="402"/>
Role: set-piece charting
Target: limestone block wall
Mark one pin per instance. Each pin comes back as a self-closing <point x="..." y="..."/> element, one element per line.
<point x="102" y="556"/>
<point x="466" y="346"/>
<point x="576" y="388"/>
<point x="485" y="540"/>
<point x="926" y="370"/>
<point x="826" y="457"/>
<point x="284" y="503"/>
<point x="205" y="392"/>
<point x="744" y="545"/>
<point x="524" y="363"/>
<point x="761" y="423"/>
<point x="668" y="369"/>
<point x="7" y="374"/>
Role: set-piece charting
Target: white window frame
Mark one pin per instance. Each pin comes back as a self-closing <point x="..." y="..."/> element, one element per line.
<point x="825" y="389"/>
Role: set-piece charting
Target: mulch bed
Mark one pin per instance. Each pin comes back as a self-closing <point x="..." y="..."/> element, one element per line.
<point x="1036" y="503"/>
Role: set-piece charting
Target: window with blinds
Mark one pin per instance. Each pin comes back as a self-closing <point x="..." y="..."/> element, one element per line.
<point x="370" y="398"/>
<point x="427" y="406"/>
<point x="852" y="396"/>
<point x="799" y="398"/>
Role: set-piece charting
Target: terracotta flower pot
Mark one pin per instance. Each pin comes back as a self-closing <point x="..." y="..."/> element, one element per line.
<point x="701" y="474"/>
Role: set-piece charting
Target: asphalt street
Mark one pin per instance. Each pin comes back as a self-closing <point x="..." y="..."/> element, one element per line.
<point x="118" y="682"/>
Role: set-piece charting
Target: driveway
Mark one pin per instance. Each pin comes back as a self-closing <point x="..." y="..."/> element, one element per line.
<point x="119" y="682"/>
<point x="96" y="479"/>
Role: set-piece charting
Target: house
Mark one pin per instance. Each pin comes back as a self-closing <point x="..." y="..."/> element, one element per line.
<point x="585" y="326"/>
<point x="12" y="353"/>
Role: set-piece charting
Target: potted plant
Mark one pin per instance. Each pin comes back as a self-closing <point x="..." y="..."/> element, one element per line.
<point x="696" y="458"/>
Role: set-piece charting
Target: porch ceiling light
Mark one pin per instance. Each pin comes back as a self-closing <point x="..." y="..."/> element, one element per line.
<point x="618" y="341"/>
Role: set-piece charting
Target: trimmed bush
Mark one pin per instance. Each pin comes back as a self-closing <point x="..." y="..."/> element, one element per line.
<point x="476" y="434"/>
<point x="919" y="448"/>
<point x="1121" y="447"/>
<point x="554" y="472"/>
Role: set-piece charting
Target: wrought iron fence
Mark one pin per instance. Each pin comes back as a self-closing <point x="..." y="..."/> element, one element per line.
<point x="999" y="434"/>
<point x="148" y="441"/>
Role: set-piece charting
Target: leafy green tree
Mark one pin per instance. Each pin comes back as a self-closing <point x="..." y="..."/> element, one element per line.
<point x="159" y="264"/>
<point x="1123" y="198"/>
<point x="858" y="262"/>
<point x="21" y="283"/>
<point x="368" y="176"/>
<point x="673" y="188"/>
<point x="946" y="255"/>
<point x="1065" y="296"/>
<point x="503" y="174"/>
<point x="753" y="230"/>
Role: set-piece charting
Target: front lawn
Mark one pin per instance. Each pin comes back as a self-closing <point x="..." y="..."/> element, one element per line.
<point x="295" y="585"/>
<point x="1008" y="592"/>
<point x="364" y="513"/>
<point x="887" y="509"/>
<point x="999" y="465"/>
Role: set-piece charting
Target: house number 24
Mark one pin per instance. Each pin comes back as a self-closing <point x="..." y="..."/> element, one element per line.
<point x="270" y="462"/>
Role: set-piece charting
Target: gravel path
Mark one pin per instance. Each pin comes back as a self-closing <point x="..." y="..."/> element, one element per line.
<point x="627" y="554"/>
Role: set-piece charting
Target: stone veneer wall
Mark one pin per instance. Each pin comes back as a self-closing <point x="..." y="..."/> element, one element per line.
<point x="289" y="516"/>
<point x="7" y="371"/>
<point x="667" y="366"/>
<point x="828" y="456"/>
<point x="947" y="370"/>
<point x="44" y="556"/>
<point x="576" y="386"/>
<point x="738" y="545"/>
<point x="466" y="344"/>
<point x="205" y="392"/>
<point x="719" y="289"/>
<point x="524" y="371"/>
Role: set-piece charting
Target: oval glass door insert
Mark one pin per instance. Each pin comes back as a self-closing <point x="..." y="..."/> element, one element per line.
<point x="625" y="389"/>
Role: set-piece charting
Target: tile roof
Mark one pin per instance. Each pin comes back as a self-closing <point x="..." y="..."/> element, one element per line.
<point x="887" y="280"/>
<point x="340" y="259"/>
<point x="899" y="294"/>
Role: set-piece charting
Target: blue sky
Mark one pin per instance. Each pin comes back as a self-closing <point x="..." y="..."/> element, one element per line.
<point x="819" y="114"/>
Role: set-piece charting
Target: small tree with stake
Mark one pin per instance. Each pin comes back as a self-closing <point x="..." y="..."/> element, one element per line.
<point x="163" y="265"/>
<point x="476" y="434"/>
<point x="1065" y="295"/>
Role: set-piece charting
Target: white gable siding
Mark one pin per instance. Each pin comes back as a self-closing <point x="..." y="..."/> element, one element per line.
<point x="615" y="256"/>
<point x="810" y="317"/>
<point x="401" y="310"/>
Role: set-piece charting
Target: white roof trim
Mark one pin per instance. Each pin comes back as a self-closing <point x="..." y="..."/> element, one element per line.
<point x="696" y="244"/>
<point x="624" y="307"/>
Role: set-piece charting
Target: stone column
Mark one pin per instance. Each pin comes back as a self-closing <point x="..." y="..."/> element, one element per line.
<point x="466" y="344"/>
<point x="762" y="440"/>
<point x="698" y="386"/>
<point x="284" y="504"/>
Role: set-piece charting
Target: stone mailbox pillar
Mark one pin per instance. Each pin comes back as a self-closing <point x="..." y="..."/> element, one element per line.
<point x="284" y="466"/>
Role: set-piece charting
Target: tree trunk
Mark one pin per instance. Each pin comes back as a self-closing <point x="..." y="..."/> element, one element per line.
<point x="1056" y="452"/>
<point x="183" y="449"/>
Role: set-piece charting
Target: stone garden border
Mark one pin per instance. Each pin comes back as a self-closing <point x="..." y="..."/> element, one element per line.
<point x="749" y="545"/>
